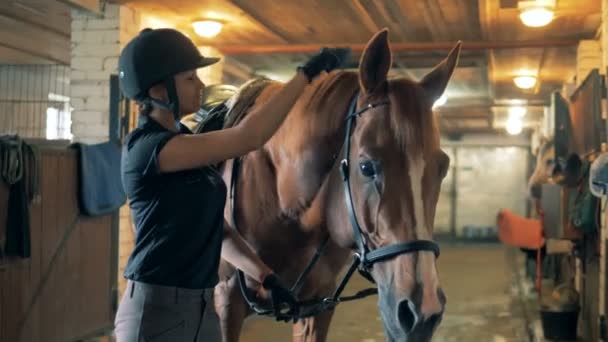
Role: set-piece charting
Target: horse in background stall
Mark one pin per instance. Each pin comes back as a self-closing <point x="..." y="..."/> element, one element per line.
<point x="543" y="170"/>
<point x="384" y="154"/>
<point x="557" y="266"/>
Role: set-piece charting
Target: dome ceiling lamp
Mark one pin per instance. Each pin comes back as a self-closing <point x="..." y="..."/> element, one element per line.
<point x="525" y="79"/>
<point x="207" y="28"/>
<point x="536" y="13"/>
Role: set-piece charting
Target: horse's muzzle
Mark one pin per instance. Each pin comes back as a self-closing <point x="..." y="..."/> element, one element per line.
<point x="412" y="319"/>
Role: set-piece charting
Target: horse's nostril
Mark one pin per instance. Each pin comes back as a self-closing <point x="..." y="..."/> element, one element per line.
<point x="407" y="315"/>
<point x="434" y="320"/>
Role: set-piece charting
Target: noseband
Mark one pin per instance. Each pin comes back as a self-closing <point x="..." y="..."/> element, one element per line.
<point x="363" y="258"/>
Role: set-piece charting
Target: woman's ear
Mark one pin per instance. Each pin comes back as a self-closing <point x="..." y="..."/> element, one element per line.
<point x="158" y="92"/>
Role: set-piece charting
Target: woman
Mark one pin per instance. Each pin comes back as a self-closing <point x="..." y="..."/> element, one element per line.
<point x="177" y="198"/>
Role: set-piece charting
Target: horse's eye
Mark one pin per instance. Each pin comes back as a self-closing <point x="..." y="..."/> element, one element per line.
<point x="367" y="169"/>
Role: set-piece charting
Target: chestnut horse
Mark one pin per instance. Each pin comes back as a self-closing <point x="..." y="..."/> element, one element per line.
<point x="543" y="171"/>
<point x="290" y="195"/>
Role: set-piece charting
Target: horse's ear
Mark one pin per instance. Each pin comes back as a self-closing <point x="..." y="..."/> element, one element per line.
<point x="436" y="81"/>
<point x="375" y="62"/>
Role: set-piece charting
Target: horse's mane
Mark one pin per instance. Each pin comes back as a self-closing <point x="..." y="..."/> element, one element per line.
<point x="411" y="124"/>
<point x="330" y="98"/>
<point x="323" y="106"/>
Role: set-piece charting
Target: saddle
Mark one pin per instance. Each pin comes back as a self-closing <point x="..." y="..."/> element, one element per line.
<point x="231" y="110"/>
<point x="228" y="109"/>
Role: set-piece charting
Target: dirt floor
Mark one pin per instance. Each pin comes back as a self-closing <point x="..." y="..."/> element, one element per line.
<point x="483" y="302"/>
<point x="488" y="301"/>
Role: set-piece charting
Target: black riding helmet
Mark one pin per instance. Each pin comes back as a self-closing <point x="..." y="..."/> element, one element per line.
<point x="155" y="56"/>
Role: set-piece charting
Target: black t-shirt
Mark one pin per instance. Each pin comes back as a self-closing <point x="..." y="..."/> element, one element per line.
<point x="178" y="216"/>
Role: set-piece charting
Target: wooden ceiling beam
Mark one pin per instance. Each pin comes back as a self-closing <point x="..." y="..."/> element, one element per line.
<point x="396" y="47"/>
<point x="34" y="40"/>
<point x="12" y="56"/>
<point x="364" y="15"/>
<point x="267" y="27"/>
<point x="93" y="6"/>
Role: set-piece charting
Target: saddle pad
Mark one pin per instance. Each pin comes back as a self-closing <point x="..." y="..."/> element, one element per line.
<point x="100" y="190"/>
<point x="515" y="230"/>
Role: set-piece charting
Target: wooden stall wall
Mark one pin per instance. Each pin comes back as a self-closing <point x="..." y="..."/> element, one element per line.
<point x="66" y="290"/>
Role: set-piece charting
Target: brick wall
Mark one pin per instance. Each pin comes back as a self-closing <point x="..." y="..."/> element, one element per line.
<point x="588" y="57"/>
<point x="96" y="46"/>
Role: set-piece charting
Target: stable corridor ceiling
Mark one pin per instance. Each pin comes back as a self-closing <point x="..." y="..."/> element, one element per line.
<point x="272" y="37"/>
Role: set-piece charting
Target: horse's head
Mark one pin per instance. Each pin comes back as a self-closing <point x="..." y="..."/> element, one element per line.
<point x="545" y="164"/>
<point x="395" y="174"/>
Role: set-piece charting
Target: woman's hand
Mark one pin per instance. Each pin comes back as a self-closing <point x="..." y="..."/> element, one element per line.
<point x="325" y="60"/>
<point x="284" y="303"/>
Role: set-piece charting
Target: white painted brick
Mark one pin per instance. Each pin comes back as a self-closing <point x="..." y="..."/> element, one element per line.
<point x="97" y="129"/>
<point x="87" y="63"/>
<point x="112" y="11"/>
<point x="78" y="103"/>
<point x="85" y="49"/>
<point x="110" y="64"/>
<point x="77" y="36"/>
<point x="78" y="24"/>
<point x="92" y="37"/>
<point x="79" y="14"/>
<point x="101" y="104"/>
<point x="88" y="117"/>
<point x="103" y="24"/>
<point x="97" y="76"/>
<point x="589" y="44"/>
<point x="88" y="88"/>
<point x="96" y="44"/>
<point x="77" y="75"/>
<point x="88" y="139"/>
<point x="588" y="57"/>
<point x="109" y="36"/>
<point x="84" y="36"/>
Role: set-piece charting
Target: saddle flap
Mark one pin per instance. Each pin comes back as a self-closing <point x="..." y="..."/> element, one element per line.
<point x="100" y="190"/>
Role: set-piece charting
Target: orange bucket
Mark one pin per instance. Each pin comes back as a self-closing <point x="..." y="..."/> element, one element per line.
<point x="519" y="231"/>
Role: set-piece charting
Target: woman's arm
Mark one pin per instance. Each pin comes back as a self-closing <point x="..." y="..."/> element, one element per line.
<point x="191" y="151"/>
<point x="237" y="252"/>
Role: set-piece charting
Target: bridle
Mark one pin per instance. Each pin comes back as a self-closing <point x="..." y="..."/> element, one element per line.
<point x="363" y="259"/>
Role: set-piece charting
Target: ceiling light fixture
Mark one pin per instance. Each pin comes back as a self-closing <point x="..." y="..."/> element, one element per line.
<point x="517" y="112"/>
<point x="514" y="125"/>
<point x="536" y="13"/>
<point x="525" y="81"/>
<point x="207" y="28"/>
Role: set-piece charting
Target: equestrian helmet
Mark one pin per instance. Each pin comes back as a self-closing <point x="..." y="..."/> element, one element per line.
<point x="155" y="55"/>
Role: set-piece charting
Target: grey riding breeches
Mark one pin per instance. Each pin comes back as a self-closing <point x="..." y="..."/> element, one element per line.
<point x="153" y="313"/>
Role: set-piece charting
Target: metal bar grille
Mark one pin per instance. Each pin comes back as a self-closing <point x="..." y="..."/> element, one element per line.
<point x="34" y="101"/>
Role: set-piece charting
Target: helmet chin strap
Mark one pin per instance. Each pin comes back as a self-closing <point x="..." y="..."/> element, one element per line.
<point x="173" y="104"/>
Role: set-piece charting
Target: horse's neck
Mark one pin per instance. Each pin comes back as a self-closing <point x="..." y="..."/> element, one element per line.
<point x="304" y="149"/>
